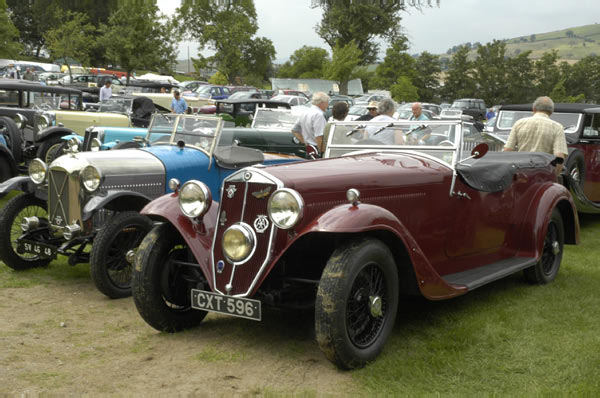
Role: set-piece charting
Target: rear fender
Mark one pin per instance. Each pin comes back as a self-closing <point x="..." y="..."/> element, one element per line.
<point x="548" y="197"/>
<point x="366" y="218"/>
<point x="115" y="200"/>
<point x="197" y="235"/>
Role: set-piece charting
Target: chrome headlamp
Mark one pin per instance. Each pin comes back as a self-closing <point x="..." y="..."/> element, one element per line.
<point x="20" y="120"/>
<point x="285" y="208"/>
<point x="37" y="171"/>
<point x="238" y="242"/>
<point x="95" y="145"/>
<point x="73" y="145"/>
<point x="194" y="199"/>
<point x="43" y="121"/>
<point x="91" y="178"/>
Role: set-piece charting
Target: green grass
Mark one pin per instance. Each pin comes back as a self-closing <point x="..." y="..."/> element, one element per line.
<point x="504" y="338"/>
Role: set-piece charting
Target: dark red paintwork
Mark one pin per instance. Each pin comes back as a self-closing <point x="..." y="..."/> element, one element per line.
<point x="405" y="194"/>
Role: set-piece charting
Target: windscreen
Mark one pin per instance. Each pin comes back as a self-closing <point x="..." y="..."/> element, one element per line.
<point x="569" y="121"/>
<point x="275" y="119"/>
<point x="116" y="104"/>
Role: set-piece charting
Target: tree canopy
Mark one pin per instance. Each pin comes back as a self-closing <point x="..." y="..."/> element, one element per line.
<point x="137" y="36"/>
<point x="305" y="63"/>
<point x="9" y="35"/>
<point x="229" y="30"/>
<point x="343" y="64"/>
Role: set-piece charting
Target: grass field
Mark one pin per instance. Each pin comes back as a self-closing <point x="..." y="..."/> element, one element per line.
<point x="506" y="338"/>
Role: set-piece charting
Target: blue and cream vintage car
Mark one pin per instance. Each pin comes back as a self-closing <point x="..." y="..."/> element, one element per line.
<point x="95" y="196"/>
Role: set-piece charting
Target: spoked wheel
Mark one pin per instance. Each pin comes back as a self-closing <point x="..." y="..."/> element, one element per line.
<point x="51" y="149"/>
<point x="161" y="285"/>
<point x="12" y="135"/>
<point x="11" y="217"/>
<point x="356" y="304"/>
<point x="110" y="270"/>
<point x="547" y="268"/>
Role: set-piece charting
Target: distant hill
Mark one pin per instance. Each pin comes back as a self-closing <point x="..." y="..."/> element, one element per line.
<point x="572" y="43"/>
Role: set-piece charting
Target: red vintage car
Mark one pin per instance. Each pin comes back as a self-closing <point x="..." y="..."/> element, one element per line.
<point x="396" y="209"/>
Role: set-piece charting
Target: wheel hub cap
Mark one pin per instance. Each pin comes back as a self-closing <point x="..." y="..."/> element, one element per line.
<point x="555" y="247"/>
<point x="375" y="306"/>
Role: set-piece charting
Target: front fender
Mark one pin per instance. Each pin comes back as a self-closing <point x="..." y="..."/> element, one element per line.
<point x="367" y="218"/>
<point x="549" y="196"/>
<point x="18" y="183"/>
<point x="54" y="131"/>
<point x="116" y="200"/>
<point x="77" y="136"/>
<point x="197" y="235"/>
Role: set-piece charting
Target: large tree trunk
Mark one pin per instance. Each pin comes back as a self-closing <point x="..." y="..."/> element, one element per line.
<point x="343" y="86"/>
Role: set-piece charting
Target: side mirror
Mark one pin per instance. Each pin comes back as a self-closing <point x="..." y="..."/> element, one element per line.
<point x="480" y="150"/>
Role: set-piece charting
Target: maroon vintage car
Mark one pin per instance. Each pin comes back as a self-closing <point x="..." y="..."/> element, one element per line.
<point x="581" y="124"/>
<point x="397" y="209"/>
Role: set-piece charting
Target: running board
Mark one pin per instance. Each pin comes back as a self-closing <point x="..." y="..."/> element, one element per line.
<point x="480" y="276"/>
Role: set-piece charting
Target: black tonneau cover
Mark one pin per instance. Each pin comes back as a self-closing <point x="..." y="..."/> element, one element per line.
<point x="26" y="85"/>
<point x="494" y="172"/>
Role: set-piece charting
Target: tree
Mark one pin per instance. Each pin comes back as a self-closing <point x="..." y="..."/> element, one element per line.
<point x="137" y="37"/>
<point x="227" y="28"/>
<point x="362" y="22"/>
<point x="584" y="78"/>
<point x="306" y="63"/>
<point x="218" y="79"/>
<point x="459" y="81"/>
<point x="396" y="63"/>
<point x="33" y="18"/>
<point x="520" y="78"/>
<point x="532" y="38"/>
<point x="404" y="91"/>
<point x="427" y="80"/>
<point x="9" y="47"/>
<point x="72" y="39"/>
<point x="490" y="72"/>
<point x="343" y="63"/>
<point x="547" y="73"/>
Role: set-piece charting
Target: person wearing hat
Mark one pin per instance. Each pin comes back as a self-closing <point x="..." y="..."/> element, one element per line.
<point x="372" y="108"/>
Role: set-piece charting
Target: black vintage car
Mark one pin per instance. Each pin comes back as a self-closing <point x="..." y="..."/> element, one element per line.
<point x="581" y="123"/>
<point x="21" y="101"/>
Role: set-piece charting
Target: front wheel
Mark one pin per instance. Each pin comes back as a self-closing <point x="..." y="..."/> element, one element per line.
<point x="547" y="268"/>
<point x="356" y="304"/>
<point x="11" y="217"/>
<point x="51" y="148"/>
<point x="109" y="268"/>
<point x="161" y="285"/>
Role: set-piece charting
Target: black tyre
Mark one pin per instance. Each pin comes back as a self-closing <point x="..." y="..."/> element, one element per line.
<point x="109" y="268"/>
<point x="356" y="304"/>
<point x="51" y="148"/>
<point x="11" y="133"/>
<point x="575" y="167"/>
<point x="11" y="216"/>
<point x="160" y="287"/>
<point x="5" y="169"/>
<point x="127" y="145"/>
<point x="547" y="268"/>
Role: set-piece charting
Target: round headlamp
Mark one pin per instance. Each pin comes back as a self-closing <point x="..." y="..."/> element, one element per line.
<point x="238" y="242"/>
<point x="95" y="145"/>
<point x="91" y="178"/>
<point x="37" y="171"/>
<point x="20" y="120"/>
<point x="285" y="208"/>
<point x="43" y="121"/>
<point x="194" y="199"/>
<point x="73" y="145"/>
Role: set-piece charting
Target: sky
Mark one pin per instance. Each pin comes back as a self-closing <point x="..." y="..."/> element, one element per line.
<point x="290" y="24"/>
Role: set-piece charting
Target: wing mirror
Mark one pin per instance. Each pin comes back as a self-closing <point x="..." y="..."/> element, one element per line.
<point x="478" y="152"/>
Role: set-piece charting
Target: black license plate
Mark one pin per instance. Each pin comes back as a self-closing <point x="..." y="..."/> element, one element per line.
<point x="235" y="306"/>
<point x="39" y="249"/>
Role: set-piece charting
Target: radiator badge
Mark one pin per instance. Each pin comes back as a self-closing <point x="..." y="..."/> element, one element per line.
<point x="231" y="191"/>
<point x="262" y="194"/>
<point x="261" y="224"/>
<point x="220" y="266"/>
<point x="58" y="220"/>
<point x="223" y="218"/>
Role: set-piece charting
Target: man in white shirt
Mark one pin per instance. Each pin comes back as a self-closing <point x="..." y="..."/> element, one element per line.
<point x="105" y="91"/>
<point x="388" y="136"/>
<point x="310" y="126"/>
